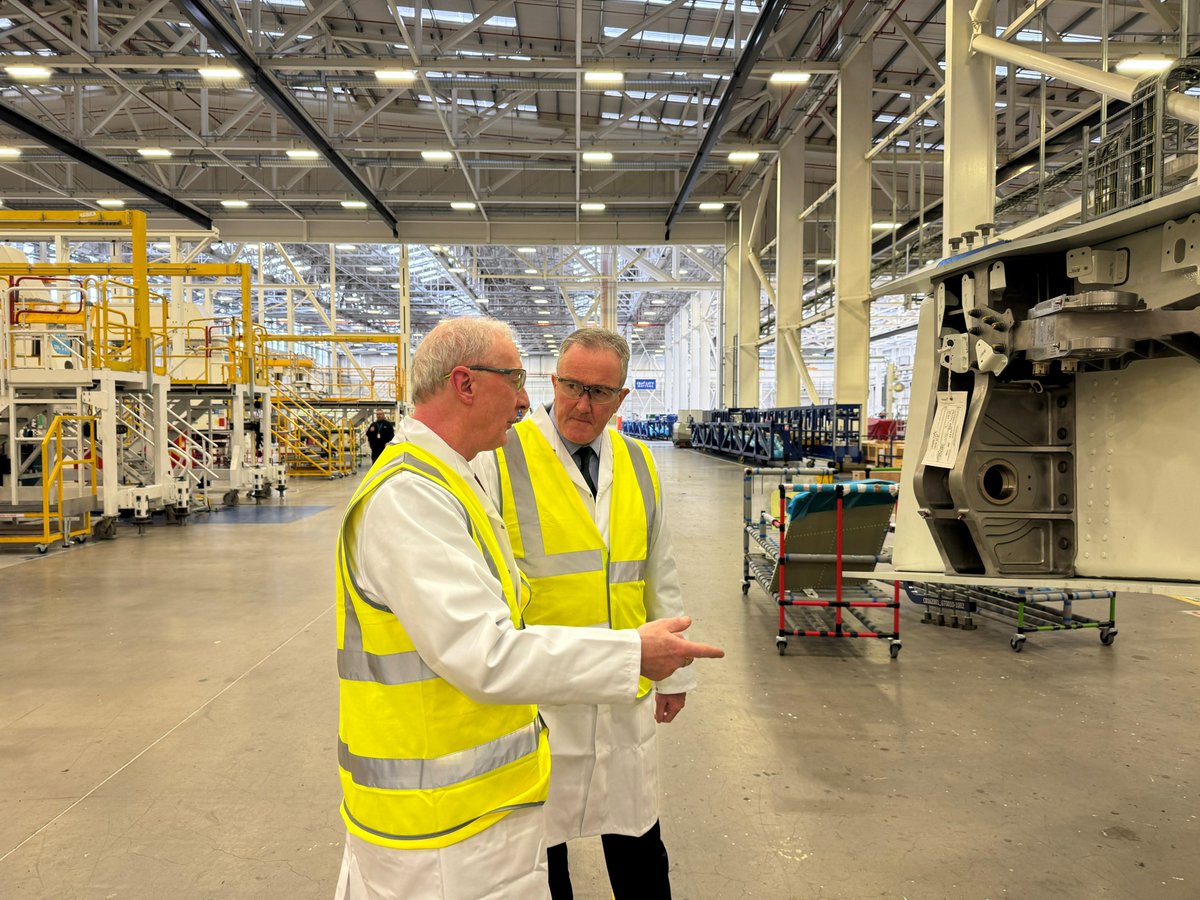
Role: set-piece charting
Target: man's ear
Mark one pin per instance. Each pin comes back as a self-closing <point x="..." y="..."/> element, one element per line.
<point x="463" y="385"/>
<point x="624" y="393"/>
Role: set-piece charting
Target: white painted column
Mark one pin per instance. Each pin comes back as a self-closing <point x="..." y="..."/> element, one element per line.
<point x="852" y="316"/>
<point x="729" y="317"/>
<point x="749" y="304"/>
<point x="970" y="155"/>
<point x="404" y="360"/>
<point x="789" y="255"/>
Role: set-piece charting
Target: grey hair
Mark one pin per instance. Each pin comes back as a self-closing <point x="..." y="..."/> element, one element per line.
<point x="592" y="337"/>
<point x="466" y="341"/>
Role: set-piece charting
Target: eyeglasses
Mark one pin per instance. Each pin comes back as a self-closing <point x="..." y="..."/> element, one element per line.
<point x="517" y="374"/>
<point x="597" y="393"/>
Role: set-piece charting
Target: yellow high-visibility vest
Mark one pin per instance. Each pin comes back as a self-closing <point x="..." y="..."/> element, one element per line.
<point x="575" y="578"/>
<point x="421" y="763"/>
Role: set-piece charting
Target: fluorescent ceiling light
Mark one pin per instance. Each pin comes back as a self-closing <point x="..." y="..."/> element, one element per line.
<point x="301" y="153"/>
<point x="28" y="73"/>
<point x="376" y="269"/>
<point x="531" y="271"/>
<point x="437" y="155"/>
<point x="658" y="302"/>
<point x="744" y="156"/>
<point x="154" y="152"/>
<point x="220" y="73"/>
<point x="110" y="203"/>
<point x="161" y="246"/>
<point x="537" y="287"/>
<point x="597" y="156"/>
<point x="395" y="285"/>
<point x="527" y="249"/>
<point x="462" y="205"/>
<point x="396" y="76"/>
<point x="826" y="262"/>
<point x="884" y="226"/>
<point x="457" y="270"/>
<point x="543" y="322"/>
<point x="1144" y="65"/>
<point x="9" y="152"/>
<point x="301" y="267"/>
<point x="790" y="77"/>
<point x="437" y="248"/>
<point x="592" y="207"/>
<point x="234" y="204"/>
<point x="711" y="206"/>
<point x="541" y="301"/>
<point x="354" y="204"/>
<point x="605" y="77"/>
<point x="347" y="247"/>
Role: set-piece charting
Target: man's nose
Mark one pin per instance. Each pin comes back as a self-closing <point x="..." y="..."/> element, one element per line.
<point x="522" y="399"/>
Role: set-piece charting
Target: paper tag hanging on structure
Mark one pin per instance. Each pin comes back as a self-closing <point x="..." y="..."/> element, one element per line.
<point x="946" y="433"/>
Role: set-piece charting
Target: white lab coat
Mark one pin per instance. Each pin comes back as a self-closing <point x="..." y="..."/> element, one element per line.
<point x="604" y="776"/>
<point x="410" y="550"/>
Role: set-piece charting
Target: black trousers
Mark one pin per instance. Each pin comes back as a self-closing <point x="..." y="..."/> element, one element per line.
<point x="637" y="867"/>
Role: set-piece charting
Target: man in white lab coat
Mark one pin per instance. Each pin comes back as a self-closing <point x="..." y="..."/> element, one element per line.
<point x="583" y="509"/>
<point x="443" y="759"/>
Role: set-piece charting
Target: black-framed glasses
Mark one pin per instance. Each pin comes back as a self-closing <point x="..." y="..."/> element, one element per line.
<point x="518" y="375"/>
<point x="597" y="392"/>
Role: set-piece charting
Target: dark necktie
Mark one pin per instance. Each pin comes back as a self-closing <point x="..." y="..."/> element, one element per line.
<point x="583" y="457"/>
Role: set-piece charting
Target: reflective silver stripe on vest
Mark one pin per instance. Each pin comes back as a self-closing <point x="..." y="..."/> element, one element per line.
<point x="431" y="774"/>
<point x="645" y="481"/>
<point x="528" y="521"/>
<point x="631" y="570"/>
<point x="444" y="831"/>
<point x="574" y="563"/>
<point x="386" y="668"/>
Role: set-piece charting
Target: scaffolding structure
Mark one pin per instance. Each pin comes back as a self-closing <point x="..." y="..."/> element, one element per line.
<point x="111" y="360"/>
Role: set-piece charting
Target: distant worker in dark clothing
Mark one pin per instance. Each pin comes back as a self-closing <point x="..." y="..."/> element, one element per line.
<point x="380" y="433"/>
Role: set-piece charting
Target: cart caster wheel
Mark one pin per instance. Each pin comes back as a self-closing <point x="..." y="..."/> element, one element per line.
<point x="1107" y="636"/>
<point x="82" y="539"/>
<point x="41" y="548"/>
<point x="894" y="649"/>
<point x="745" y="588"/>
<point x="781" y="646"/>
<point x="230" y="498"/>
<point x="1017" y="643"/>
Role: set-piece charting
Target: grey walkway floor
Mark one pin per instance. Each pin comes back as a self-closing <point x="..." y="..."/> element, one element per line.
<point x="167" y="730"/>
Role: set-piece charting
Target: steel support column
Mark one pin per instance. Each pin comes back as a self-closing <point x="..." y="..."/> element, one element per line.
<point x="749" y="298"/>
<point x="852" y="316"/>
<point x="404" y="354"/>
<point x="791" y="375"/>
<point x="970" y="156"/>
<point x="729" y="317"/>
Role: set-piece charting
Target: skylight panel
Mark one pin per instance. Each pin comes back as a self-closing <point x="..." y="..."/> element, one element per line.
<point x="669" y="98"/>
<point x="449" y="17"/>
<point x="889" y="119"/>
<point x="672" y="38"/>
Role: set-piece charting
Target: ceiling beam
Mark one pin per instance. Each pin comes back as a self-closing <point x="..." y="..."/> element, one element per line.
<point x="24" y="124"/>
<point x="767" y="19"/>
<point x="213" y="25"/>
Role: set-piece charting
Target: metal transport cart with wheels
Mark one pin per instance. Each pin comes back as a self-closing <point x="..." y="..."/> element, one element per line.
<point x="1029" y="609"/>
<point x="809" y="554"/>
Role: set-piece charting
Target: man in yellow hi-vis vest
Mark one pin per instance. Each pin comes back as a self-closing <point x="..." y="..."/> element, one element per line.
<point x="442" y="756"/>
<point x="583" y="509"/>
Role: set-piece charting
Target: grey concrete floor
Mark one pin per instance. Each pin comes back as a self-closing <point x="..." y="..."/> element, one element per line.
<point x="168" y="722"/>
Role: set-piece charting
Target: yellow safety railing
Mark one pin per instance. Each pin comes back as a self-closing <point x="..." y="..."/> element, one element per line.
<point x="311" y="442"/>
<point x="53" y="484"/>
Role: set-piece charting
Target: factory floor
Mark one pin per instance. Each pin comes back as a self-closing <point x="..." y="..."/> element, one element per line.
<point x="168" y="723"/>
